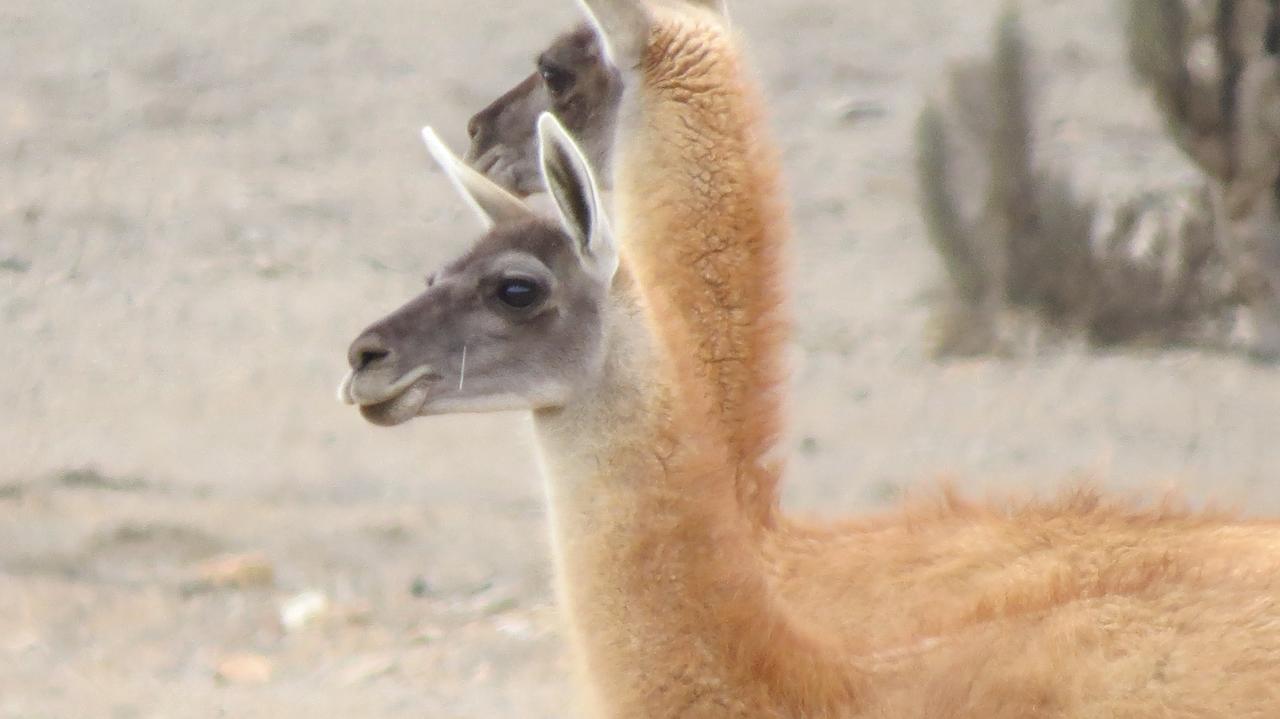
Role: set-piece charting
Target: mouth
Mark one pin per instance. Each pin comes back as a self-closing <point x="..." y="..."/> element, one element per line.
<point x="390" y="405"/>
<point x="498" y="165"/>
<point x="485" y="161"/>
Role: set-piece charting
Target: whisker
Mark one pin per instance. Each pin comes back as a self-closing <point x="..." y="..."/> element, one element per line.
<point x="462" y="376"/>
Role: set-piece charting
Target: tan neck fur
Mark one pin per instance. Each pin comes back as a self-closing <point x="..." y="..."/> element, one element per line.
<point x="680" y="607"/>
<point x="658" y="569"/>
<point x="712" y="240"/>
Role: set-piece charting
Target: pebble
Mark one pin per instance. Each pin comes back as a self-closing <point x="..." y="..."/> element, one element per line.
<point x="303" y="609"/>
<point x="244" y="669"/>
<point x="234" y="571"/>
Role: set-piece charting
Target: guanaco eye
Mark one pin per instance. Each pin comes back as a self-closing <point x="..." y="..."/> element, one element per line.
<point x="520" y="294"/>
<point x="556" y="80"/>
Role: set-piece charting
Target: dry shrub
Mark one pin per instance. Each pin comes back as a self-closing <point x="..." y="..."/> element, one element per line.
<point x="1026" y="256"/>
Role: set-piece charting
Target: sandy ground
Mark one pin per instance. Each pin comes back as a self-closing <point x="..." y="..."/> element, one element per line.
<point x="201" y="204"/>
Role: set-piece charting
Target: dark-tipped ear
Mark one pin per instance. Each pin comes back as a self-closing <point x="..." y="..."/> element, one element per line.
<point x="622" y="26"/>
<point x="572" y="185"/>
<point x="492" y="203"/>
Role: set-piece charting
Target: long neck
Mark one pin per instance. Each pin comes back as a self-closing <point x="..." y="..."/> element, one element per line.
<point x="696" y="202"/>
<point x="658" y="570"/>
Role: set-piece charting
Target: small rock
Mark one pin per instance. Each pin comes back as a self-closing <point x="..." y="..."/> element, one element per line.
<point x="499" y="605"/>
<point x="364" y="669"/>
<point x="851" y="111"/>
<point x="90" y="478"/>
<point x="427" y="634"/>
<point x="16" y="265"/>
<point x="244" y="669"/>
<point x="420" y="588"/>
<point x="885" y="491"/>
<point x="235" y="571"/>
<point x="303" y="609"/>
<point x="270" y="268"/>
<point x="516" y="627"/>
<point x="354" y="613"/>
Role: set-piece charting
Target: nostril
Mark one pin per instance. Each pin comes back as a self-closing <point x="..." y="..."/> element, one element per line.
<point x="368" y="357"/>
<point x="473" y="127"/>
<point x="368" y="350"/>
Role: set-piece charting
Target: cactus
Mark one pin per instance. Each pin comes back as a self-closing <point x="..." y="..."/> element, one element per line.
<point x="952" y="241"/>
<point x="1214" y="68"/>
<point x="1028" y="253"/>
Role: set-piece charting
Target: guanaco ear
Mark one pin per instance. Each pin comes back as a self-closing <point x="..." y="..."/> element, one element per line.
<point x="492" y="203"/>
<point x="572" y="185"/>
<point x="622" y="26"/>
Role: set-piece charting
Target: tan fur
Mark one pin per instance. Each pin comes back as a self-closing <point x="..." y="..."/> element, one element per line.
<point x="734" y="250"/>
<point x="671" y="605"/>
<point x="682" y="606"/>
<point x="1079" y="608"/>
<point x="712" y="234"/>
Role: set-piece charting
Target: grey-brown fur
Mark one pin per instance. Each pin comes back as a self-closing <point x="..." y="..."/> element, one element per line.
<point x="573" y="81"/>
<point x="461" y="345"/>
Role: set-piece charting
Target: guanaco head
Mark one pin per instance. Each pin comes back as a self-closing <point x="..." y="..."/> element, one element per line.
<point x="573" y="81"/>
<point x="515" y="323"/>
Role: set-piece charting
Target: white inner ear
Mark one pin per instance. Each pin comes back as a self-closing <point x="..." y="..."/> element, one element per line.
<point x="599" y="247"/>
<point x="490" y="202"/>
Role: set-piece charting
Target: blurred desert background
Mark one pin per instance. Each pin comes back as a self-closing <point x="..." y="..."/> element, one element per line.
<point x="202" y="203"/>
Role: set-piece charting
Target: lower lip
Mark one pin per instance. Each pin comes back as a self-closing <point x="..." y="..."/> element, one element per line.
<point x="399" y="409"/>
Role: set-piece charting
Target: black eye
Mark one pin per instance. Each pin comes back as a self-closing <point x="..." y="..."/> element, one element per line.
<point x="556" y="80"/>
<point x="520" y="294"/>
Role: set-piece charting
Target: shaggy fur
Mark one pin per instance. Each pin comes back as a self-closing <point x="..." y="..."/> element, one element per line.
<point x="686" y="600"/>
<point x="698" y="211"/>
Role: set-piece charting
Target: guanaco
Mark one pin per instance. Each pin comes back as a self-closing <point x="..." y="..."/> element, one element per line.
<point x="681" y="599"/>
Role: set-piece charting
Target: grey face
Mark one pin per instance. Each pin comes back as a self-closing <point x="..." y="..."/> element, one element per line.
<point x="516" y="322"/>
<point x="574" y="82"/>
<point x="513" y="324"/>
